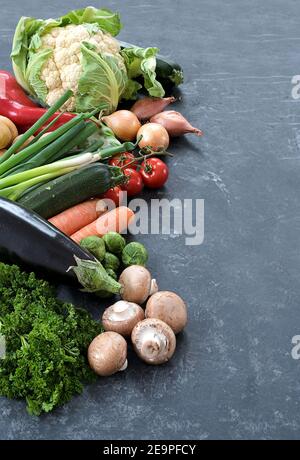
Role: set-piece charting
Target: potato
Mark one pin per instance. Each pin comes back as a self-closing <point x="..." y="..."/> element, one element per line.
<point x="11" y="126"/>
<point x="5" y="135"/>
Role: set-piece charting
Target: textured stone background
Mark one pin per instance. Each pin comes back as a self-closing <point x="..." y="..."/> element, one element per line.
<point x="233" y="375"/>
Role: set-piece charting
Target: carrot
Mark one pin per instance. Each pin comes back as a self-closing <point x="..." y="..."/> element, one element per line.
<point x="73" y="219"/>
<point x="116" y="220"/>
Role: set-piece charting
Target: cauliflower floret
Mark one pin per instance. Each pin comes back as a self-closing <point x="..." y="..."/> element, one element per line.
<point x="62" y="71"/>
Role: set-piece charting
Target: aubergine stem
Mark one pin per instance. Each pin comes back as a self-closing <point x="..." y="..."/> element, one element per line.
<point x="93" y="277"/>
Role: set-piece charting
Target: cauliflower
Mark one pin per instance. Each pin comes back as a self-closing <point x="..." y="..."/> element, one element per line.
<point x="63" y="69"/>
<point x="78" y="51"/>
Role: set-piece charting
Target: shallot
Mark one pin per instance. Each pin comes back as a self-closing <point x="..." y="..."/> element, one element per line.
<point x="175" y="123"/>
<point x="147" y="107"/>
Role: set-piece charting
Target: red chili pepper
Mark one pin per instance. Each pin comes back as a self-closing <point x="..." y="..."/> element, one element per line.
<point x="19" y="108"/>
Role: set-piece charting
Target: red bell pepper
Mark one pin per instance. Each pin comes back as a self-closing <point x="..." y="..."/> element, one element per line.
<point x="10" y="89"/>
<point x="19" y="108"/>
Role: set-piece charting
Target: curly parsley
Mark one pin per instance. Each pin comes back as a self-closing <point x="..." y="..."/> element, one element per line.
<point x="46" y="342"/>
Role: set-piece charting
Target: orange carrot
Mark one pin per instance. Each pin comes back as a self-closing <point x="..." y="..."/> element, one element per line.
<point x="116" y="220"/>
<point x="73" y="219"/>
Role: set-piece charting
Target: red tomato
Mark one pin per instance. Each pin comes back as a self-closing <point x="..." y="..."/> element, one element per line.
<point x="115" y="194"/>
<point x="135" y="184"/>
<point x="154" y="172"/>
<point x="123" y="159"/>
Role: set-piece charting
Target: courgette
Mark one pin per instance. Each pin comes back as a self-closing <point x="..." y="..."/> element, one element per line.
<point x="166" y="70"/>
<point x="63" y="192"/>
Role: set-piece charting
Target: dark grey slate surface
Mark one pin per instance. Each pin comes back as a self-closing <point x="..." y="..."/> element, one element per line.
<point x="233" y="375"/>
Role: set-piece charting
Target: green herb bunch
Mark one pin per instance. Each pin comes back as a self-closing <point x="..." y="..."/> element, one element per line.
<point x="46" y="342"/>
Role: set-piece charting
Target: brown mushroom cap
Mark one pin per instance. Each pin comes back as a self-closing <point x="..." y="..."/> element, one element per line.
<point x="154" y="341"/>
<point x="107" y="354"/>
<point x="137" y="284"/>
<point x="122" y="317"/>
<point x="168" y="307"/>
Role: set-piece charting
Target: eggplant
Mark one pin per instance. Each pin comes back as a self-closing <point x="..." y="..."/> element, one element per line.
<point x="28" y="240"/>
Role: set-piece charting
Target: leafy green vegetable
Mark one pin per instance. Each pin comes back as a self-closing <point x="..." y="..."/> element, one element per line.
<point x="95" y="246"/>
<point x="141" y="62"/>
<point x="114" y="242"/>
<point x="104" y="18"/>
<point x="134" y="254"/>
<point x="103" y="79"/>
<point x="111" y="261"/>
<point x="34" y="70"/>
<point x="46" y="342"/>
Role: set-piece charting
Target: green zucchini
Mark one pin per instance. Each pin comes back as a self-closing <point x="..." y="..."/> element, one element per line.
<point x="59" y="194"/>
<point x="166" y="70"/>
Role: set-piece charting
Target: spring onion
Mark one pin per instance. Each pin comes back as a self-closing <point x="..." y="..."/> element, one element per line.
<point x="46" y="129"/>
<point x="47" y="155"/>
<point x="82" y="136"/>
<point x="26" y="153"/>
<point x="14" y="186"/>
<point x="54" y="108"/>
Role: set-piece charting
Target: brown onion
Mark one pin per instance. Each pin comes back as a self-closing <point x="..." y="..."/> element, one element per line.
<point x="155" y="136"/>
<point x="123" y="123"/>
<point x="147" y="107"/>
<point x="175" y="123"/>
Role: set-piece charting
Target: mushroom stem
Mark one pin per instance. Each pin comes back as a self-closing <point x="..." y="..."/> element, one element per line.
<point x="124" y="367"/>
<point x="154" y="287"/>
<point x="154" y="341"/>
<point x="153" y="345"/>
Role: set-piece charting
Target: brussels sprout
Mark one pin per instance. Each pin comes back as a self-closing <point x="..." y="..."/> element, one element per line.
<point x="95" y="246"/>
<point x="134" y="254"/>
<point x="114" y="242"/>
<point x="112" y="273"/>
<point x="111" y="262"/>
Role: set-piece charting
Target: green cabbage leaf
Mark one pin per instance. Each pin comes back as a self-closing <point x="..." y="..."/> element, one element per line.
<point x="103" y="79"/>
<point x="141" y="62"/>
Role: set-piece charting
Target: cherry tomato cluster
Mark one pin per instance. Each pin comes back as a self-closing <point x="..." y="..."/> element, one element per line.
<point x="152" y="173"/>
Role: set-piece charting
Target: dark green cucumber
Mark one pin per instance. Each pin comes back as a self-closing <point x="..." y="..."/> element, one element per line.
<point x="59" y="194"/>
<point x="166" y="70"/>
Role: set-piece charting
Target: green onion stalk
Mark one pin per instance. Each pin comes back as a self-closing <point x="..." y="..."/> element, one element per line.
<point x="14" y="186"/>
<point x="52" y="147"/>
<point x="37" y="125"/>
<point x="31" y="150"/>
<point x="46" y="129"/>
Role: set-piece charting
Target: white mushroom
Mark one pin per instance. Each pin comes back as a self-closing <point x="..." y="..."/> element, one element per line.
<point x="107" y="354"/>
<point x="154" y="341"/>
<point x="122" y="317"/>
<point x="137" y="284"/>
<point x="168" y="307"/>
